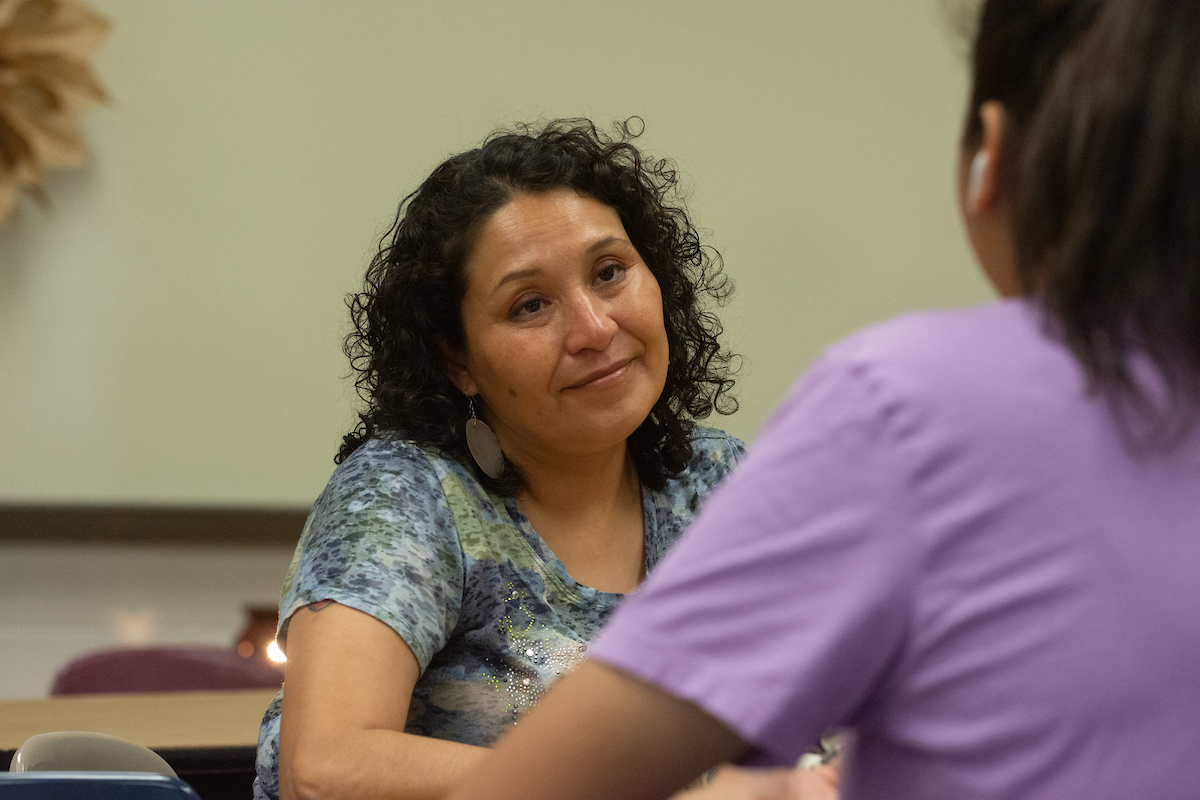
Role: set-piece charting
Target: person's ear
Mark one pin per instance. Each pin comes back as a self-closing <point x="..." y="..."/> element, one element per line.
<point x="457" y="370"/>
<point x="975" y="179"/>
<point x="983" y="189"/>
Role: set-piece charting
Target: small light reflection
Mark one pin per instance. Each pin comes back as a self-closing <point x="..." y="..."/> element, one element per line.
<point x="275" y="654"/>
<point x="135" y="628"/>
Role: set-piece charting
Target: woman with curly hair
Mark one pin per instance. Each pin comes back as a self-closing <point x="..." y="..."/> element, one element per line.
<point x="533" y="350"/>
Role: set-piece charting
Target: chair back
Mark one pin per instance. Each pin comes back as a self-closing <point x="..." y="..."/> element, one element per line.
<point x="92" y="786"/>
<point x="79" y="751"/>
<point x="166" y="669"/>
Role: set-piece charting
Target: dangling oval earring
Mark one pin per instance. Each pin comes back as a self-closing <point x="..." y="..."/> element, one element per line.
<point x="483" y="444"/>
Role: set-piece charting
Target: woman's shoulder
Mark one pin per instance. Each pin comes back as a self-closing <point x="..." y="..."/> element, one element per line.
<point x="967" y="360"/>
<point x="382" y="539"/>
<point x="389" y="488"/>
<point x="384" y="455"/>
<point x="394" y="467"/>
<point x="714" y="455"/>
<point x="714" y="449"/>
<point x="383" y="486"/>
<point x="984" y="340"/>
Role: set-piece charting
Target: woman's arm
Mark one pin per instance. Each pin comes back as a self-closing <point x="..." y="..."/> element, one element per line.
<point x="601" y="733"/>
<point x="349" y="683"/>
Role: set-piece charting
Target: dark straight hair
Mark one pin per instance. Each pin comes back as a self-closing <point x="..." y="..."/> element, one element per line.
<point x="1102" y="163"/>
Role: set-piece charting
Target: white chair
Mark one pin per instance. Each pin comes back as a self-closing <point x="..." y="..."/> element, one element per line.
<point x="78" y="751"/>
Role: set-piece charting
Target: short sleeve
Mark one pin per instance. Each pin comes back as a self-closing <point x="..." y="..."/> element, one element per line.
<point x="671" y="510"/>
<point x="381" y="539"/>
<point x="780" y="609"/>
<point x="714" y="454"/>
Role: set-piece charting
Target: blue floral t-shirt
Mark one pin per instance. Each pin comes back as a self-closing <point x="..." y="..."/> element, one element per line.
<point x="411" y="537"/>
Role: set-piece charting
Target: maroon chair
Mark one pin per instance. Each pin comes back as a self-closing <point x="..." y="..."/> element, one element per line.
<point x="165" y="669"/>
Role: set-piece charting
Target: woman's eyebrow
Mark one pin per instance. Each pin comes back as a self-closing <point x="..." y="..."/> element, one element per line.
<point x="599" y="244"/>
<point x="604" y="242"/>
<point x="517" y="275"/>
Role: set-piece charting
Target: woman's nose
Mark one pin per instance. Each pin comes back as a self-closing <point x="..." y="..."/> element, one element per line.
<point x="590" y="325"/>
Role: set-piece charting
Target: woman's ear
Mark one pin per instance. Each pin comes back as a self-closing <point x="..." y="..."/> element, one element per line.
<point x="985" y="207"/>
<point x="456" y="369"/>
<point x="983" y="189"/>
<point x="975" y="179"/>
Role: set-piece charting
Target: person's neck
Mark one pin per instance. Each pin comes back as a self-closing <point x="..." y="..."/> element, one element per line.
<point x="588" y="510"/>
<point x="568" y="487"/>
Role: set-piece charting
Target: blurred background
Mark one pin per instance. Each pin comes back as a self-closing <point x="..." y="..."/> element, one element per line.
<point x="171" y="321"/>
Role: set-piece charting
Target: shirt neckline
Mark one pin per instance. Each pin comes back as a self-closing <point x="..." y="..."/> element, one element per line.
<point x="550" y="559"/>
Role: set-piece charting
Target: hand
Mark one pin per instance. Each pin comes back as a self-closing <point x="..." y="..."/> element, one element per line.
<point x="740" y="783"/>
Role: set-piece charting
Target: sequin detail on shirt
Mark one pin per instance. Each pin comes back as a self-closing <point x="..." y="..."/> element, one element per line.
<point x="549" y="654"/>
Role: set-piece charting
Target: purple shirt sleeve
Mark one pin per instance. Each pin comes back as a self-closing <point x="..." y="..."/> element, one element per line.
<point x="784" y="605"/>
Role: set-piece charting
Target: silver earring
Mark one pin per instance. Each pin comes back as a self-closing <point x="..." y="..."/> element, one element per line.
<point x="483" y="444"/>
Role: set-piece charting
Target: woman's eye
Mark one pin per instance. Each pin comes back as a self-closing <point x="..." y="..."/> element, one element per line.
<point x="609" y="273"/>
<point x="530" y="306"/>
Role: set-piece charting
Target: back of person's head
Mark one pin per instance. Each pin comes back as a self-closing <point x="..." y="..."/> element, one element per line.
<point x="1102" y="172"/>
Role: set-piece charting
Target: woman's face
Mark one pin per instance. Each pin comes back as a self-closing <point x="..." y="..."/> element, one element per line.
<point x="565" y="341"/>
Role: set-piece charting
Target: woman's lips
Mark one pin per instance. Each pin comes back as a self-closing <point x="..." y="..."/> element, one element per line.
<point x="603" y="376"/>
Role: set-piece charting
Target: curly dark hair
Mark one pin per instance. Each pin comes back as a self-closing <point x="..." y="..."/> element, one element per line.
<point x="410" y="306"/>
<point x="1102" y="160"/>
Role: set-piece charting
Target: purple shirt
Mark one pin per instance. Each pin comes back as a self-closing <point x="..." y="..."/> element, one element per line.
<point x="942" y="541"/>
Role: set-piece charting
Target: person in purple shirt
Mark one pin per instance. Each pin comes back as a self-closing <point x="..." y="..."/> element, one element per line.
<point x="970" y="539"/>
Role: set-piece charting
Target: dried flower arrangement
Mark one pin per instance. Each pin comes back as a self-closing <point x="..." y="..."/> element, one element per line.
<point x="45" y="85"/>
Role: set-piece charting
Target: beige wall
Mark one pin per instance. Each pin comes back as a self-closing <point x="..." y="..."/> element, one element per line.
<point x="169" y="329"/>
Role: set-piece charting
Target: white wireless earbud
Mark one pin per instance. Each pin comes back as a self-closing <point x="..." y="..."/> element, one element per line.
<point x="975" y="179"/>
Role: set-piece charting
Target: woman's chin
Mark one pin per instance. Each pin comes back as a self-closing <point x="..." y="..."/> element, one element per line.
<point x="590" y="434"/>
